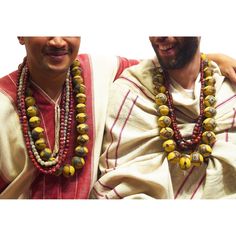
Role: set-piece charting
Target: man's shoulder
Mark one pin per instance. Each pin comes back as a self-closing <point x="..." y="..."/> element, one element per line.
<point x="8" y="84"/>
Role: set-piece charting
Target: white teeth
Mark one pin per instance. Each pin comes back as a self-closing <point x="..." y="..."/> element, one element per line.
<point x="165" y="47"/>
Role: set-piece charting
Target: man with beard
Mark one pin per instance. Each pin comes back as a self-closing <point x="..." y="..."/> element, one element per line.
<point x="170" y="130"/>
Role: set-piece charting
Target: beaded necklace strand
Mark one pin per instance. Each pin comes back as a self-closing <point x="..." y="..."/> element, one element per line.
<point x="195" y="150"/>
<point x="43" y="158"/>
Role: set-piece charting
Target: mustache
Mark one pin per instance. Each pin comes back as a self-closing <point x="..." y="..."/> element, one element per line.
<point x="56" y="51"/>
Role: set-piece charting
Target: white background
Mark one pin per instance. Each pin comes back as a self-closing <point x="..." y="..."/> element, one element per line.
<point x="122" y="28"/>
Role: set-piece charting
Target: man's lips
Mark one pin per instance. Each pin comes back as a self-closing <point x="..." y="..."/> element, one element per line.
<point x="55" y="52"/>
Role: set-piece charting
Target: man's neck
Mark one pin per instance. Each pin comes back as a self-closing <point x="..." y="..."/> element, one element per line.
<point x="187" y="75"/>
<point x="50" y="84"/>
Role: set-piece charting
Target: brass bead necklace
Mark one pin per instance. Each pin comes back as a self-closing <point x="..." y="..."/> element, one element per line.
<point x="195" y="150"/>
<point x="43" y="158"/>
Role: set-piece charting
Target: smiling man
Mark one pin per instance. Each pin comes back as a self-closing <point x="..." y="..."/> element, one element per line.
<point x="49" y="120"/>
<point x="170" y="131"/>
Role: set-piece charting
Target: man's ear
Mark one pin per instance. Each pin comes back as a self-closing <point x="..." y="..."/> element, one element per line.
<point x="21" y="40"/>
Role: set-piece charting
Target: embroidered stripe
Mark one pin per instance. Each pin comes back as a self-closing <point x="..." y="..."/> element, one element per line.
<point x="119" y="140"/>
<point x="137" y="86"/>
<point x="183" y="183"/>
<point x="200" y="183"/>
<point x="111" y="129"/>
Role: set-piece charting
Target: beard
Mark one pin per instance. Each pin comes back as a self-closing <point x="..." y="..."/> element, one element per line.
<point x="185" y="53"/>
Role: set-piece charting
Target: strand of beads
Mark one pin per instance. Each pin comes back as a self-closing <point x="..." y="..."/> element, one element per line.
<point x="42" y="157"/>
<point x="192" y="151"/>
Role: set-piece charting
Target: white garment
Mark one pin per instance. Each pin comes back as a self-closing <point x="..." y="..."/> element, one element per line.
<point x="133" y="164"/>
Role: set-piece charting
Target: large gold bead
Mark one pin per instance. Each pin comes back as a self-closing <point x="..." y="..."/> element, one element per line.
<point x="75" y="63"/>
<point x="34" y="121"/>
<point x="209" y="90"/>
<point x="80" y="98"/>
<point x="79" y="88"/>
<point x="80" y="108"/>
<point x="210" y="101"/>
<point x="160" y="88"/>
<point x="81" y="117"/>
<point x="78" y="79"/>
<point x="208" y="72"/>
<point x="209" y="112"/>
<point x="82" y="139"/>
<point x="161" y="99"/>
<point x="37" y="133"/>
<point x="169" y="145"/>
<point x="163" y="110"/>
<point x="196" y="158"/>
<point x="68" y="170"/>
<point x="82" y="128"/>
<point x="205" y="150"/>
<point x="45" y="154"/>
<point x="32" y="111"/>
<point x="209" y="137"/>
<point x="164" y="121"/>
<point x="29" y="101"/>
<point x="78" y="162"/>
<point x="81" y="151"/>
<point x="209" y="124"/>
<point x="40" y="144"/>
<point x="210" y="81"/>
<point x="184" y="162"/>
<point x="166" y="133"/>
<point x="174" y="156"/>
<point x="158" y="79"/>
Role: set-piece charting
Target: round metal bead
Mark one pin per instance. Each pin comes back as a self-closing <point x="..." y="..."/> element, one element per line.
<point x="37" y="133"/>
<point x="82" y="128"/>
<point x="209" y="112"/>
<point x="32" y="111"/>
<point x="40" y="144"/>
<point x="164" y="121"/>
<point x="158" y="78"/>
<point x="81" y="151"/>
<point x="78" y="162"/>
<point x="184" y="162"/>
<point x="45" y="154"/>
<point x="82" y="139"/>
<point x="34" y="121"/>
<point x="169" y="145"/>
<point x="209" y="137"/>
<point x="161" y="99"/>
<point x="80" y="108"/>
<point x="163" y="110"/>
<point x="209" y="90"/>
<point x="81" y="117"/>
<point x="80" y="98"/>
<point x="29" y="101"/>
<point x="68" y="170"/>
<point x="208" y="72"/>
<point x="77" y="79"/>
<point x="166" y="133"/>
<point x="209" y="124"/>
<point x="196" y="158"/>
<point x="161" y="89"/>
<point x="79" y="88"/>
<point x="210" y="81"/>
<point x="210" y="101"/>
<point x="174" y="156"/>
<point x="205" y="150"/>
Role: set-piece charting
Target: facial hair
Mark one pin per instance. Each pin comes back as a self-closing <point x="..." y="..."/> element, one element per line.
<point x="185" y="53"/>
